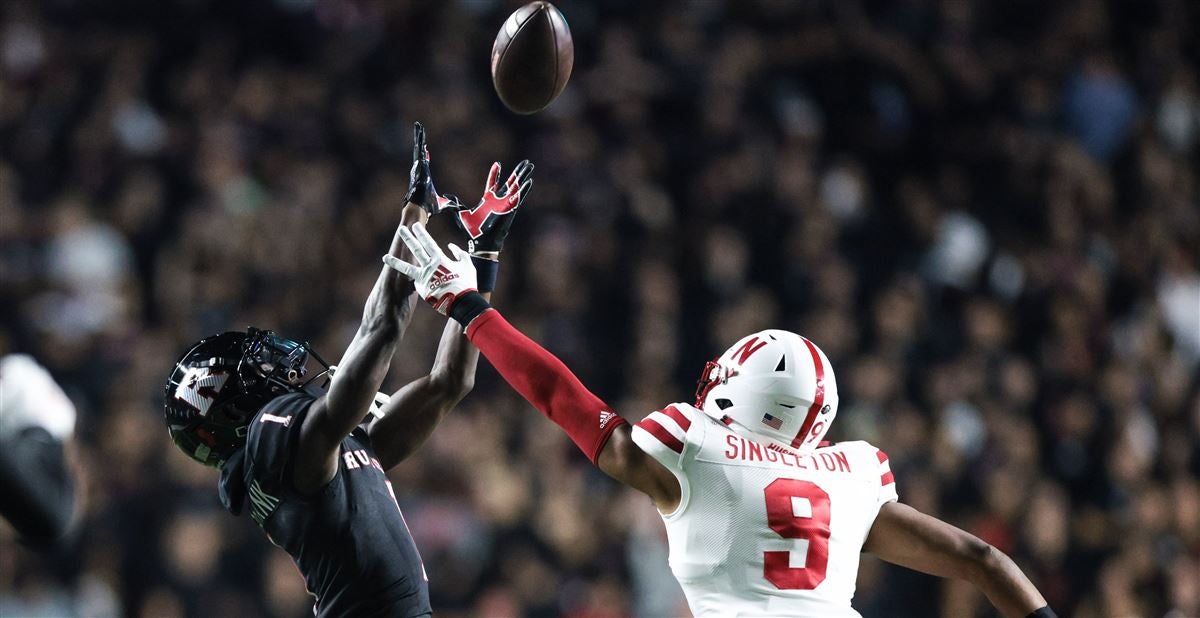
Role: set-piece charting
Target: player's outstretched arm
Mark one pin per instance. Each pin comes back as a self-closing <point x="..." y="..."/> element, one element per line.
<point x="547" y="383"/>
<point x="409" y="417"/>
<point x="359" y="374"/>
<point x="542" y="379"/>
<point x="365" y="363"/>
<point x="905" y="536"/>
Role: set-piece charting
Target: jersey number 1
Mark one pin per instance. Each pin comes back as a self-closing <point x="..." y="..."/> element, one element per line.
<point x="797" y="510"/>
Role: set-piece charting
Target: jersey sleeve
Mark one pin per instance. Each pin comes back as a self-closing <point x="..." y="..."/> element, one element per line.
<point x="887" y="481"/>
<point x="664" y="435"/>
<point x="270" y="446"/>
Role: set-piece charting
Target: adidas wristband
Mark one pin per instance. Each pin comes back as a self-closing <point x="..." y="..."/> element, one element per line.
<point x="468" y="307"/>
<point x="1042" y="612"/>
<point x="486" y="271"/>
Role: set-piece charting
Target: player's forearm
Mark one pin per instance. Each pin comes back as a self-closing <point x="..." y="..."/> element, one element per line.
<point x="1008" y="589"/>
<point x="364" y="365"/>
<point x="413" y="412"/>
<point x="544" y="381"/>
<point x="366" y="360"/>
<point x="392" y="297"/>
<point x="359" y="375"/>
<point x="905" y="536"/>
<point x="457" y="358"/>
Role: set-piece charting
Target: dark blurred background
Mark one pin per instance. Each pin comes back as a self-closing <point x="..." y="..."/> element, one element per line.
<point x="986" y="213"/>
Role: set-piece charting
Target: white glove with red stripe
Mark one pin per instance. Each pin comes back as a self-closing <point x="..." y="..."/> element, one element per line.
<point x="441" y="280"/>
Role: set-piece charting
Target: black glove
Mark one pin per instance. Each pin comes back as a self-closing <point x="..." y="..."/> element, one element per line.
<point x="487" y="223"/>
<point x="420" y="181"/>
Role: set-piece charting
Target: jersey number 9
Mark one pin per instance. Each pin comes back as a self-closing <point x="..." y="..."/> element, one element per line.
<point x="797" y="510"/>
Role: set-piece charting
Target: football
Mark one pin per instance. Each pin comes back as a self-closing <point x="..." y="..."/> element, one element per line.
<point x="532" y="57"/>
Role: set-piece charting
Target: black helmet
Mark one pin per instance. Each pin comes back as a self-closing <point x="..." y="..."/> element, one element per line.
<point x="221" y="383"/>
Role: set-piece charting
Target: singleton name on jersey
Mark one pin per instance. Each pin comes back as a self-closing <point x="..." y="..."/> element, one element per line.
<point x="739" y="448"/>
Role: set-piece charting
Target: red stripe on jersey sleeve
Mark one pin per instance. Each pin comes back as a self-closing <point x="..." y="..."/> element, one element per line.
<point x="653" y="428"/>
<point x="886" y="478"/>
<point x="882" y="456"/>
<point x="684" y="422"/>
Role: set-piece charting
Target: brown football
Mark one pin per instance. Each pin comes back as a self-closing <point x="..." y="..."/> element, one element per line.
<point x="532" y="57"/>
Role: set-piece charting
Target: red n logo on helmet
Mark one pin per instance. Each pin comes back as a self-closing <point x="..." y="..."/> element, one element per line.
<point x="747" y="350"/>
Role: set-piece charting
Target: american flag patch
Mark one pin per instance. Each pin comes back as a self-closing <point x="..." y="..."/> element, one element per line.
<point x="772" y="422"/>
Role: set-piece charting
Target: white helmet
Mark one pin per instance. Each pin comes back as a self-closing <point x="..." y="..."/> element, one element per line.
<point x="774" y="387"/>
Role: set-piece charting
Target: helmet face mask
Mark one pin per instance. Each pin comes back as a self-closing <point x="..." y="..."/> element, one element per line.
<point x="774" y="387"/>
<point x="219" y="385"/>
<point x="712" y="375"/>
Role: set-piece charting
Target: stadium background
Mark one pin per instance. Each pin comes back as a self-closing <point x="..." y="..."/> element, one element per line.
<point x="985" y="213"/>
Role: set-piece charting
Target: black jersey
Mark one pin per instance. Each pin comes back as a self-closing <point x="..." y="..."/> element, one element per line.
<point x="349" y="539"/>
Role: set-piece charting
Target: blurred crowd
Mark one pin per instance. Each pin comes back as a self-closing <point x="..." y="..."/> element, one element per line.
<point x="987" y="214"/>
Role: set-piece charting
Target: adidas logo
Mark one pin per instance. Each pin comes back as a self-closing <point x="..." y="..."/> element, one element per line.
<point x="441" y="277"/>
<point x="606" y="417"/>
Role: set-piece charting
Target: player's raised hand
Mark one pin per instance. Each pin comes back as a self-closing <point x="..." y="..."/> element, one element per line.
<point x="487" y="224"/>
<point x="420" y="179"/>
<point x="440" y="279"/>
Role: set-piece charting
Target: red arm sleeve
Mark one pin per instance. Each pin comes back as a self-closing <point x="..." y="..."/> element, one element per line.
<point x="545" y="382"/>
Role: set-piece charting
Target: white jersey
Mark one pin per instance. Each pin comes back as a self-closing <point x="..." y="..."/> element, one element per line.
<point x="762" y="532"/>
<point x="29" y="397"/>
